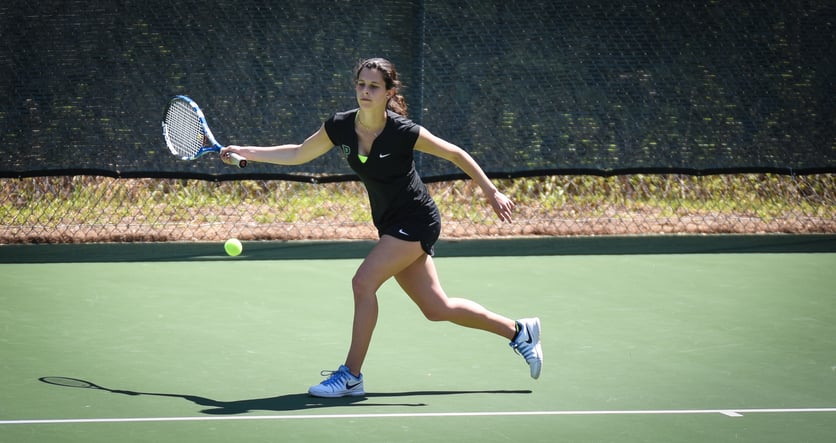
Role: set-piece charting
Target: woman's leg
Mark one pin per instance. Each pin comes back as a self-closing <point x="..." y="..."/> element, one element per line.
<point x="389" y="257"/>
<point x="416" y="274"/>
<point x="420" y="281"/>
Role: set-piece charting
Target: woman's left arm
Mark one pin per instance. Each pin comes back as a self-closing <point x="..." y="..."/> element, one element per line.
<point x="433" y="145"/>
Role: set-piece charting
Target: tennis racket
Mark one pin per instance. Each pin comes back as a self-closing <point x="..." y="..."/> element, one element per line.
<point x="76" y="383"/>
<point x="188" y="135"/>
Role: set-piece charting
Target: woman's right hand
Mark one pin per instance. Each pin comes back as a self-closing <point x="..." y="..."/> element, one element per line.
<point x="226" y="155"/>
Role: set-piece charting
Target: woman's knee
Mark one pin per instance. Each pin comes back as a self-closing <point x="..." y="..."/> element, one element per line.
<point x="362" y="286"/>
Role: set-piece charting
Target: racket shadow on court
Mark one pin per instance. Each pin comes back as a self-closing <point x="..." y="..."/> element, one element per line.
<point x="289" y="402"/>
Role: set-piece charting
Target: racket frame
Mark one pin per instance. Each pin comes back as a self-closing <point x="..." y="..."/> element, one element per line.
<point x="209" y="142"/>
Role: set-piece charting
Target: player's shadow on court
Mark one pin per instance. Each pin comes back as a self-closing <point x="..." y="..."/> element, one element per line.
<point x="289" y="402"/>
<point x="295" y="402"/>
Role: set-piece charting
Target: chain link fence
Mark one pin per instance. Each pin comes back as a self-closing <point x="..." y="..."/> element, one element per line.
<point x="102" y="209"/>
<point x="597" y="117"/>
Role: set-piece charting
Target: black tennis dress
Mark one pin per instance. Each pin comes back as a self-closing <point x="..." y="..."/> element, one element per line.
<point x="400" y="203"/>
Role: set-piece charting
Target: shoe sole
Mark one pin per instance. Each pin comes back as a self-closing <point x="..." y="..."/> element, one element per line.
<point x="536" y="365"/>
<point x="338" y="394"/>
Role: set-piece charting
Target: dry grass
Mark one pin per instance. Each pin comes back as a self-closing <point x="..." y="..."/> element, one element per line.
<point x="99" y="209"/>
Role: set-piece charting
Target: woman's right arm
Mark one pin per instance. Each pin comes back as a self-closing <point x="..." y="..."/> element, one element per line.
<point x="314" y="146"/>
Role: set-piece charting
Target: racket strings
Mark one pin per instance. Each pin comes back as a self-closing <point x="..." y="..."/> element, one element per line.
<point x="184" y="131"/>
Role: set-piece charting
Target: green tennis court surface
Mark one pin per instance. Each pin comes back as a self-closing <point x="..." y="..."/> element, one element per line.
<point x="638" y="347"/>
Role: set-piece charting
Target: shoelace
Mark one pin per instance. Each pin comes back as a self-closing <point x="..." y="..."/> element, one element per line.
<point x="334" y="377"/>
<point x="524" y="349"/>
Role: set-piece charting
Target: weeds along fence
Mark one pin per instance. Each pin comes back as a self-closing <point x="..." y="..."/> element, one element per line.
<point x="101" y="209"/>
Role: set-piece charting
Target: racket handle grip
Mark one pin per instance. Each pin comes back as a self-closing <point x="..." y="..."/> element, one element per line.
<point x="235" y="160"/>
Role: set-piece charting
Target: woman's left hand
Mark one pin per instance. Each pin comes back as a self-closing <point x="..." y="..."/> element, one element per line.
<point x="502" y="205"/>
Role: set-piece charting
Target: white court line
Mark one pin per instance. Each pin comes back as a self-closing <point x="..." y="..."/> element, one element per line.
<point x="726" y="412"/>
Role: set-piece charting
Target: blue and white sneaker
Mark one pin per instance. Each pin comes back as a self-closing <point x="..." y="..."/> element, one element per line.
<point x="527" y="344"/>
<point x="340" y="383"/>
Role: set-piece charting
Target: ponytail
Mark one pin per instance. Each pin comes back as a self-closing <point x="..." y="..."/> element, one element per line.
<point x="397" y="104"/>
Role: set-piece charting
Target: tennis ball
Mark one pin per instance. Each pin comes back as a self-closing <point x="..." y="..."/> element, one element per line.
<point x="233" y="247"/>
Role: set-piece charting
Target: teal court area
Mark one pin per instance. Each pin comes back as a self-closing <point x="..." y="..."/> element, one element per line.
<point x="687" y="339"/>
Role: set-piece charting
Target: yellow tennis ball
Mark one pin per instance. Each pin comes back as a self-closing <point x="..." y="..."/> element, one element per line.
<point x="233" y="247"/>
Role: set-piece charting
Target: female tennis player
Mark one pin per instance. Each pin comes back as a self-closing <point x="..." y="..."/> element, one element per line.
<point x="378" y="142"/>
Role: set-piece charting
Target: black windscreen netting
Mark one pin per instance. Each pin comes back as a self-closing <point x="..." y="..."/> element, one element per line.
<point x="535" y="87"/>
